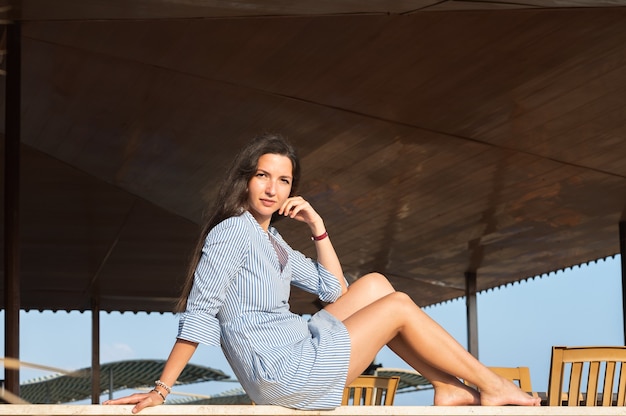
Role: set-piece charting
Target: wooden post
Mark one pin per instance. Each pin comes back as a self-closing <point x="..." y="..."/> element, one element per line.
<point x="472" y="313"/>
<point x="622" y="250"/>
<point x="95" y="353"/>
<point x="11" y="206"/>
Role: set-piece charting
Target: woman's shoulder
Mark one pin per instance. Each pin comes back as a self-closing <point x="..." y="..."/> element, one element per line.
<point x="231" y="234"/>
<point x="231" y="223"/>
<point x="237" y="225"/>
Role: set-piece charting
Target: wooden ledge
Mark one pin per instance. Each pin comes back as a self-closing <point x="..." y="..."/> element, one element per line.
<point x="233" y="410"/>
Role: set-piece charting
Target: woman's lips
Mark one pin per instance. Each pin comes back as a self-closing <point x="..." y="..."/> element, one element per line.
<point x="267" y="202"/>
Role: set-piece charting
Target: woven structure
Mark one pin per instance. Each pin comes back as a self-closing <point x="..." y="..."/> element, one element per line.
<point x="114" y="376"/>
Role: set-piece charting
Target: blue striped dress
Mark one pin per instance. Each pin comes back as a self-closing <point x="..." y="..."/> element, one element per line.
<point x="240" y="300"/>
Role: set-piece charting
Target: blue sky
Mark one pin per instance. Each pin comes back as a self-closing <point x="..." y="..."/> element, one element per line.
<point x="517" y="326"/>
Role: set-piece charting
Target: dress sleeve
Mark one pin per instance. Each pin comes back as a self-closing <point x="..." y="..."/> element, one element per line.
<point x="223" y="253"/>
<point x="311" y="276"/>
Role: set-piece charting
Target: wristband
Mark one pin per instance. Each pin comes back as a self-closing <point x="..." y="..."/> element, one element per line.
<point x="319" y="237"/>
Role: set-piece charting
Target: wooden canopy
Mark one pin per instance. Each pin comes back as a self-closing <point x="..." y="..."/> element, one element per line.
<point x="438" y="138"/>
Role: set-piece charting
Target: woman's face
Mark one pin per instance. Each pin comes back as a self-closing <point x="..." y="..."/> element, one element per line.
<point x="270" y="186"/>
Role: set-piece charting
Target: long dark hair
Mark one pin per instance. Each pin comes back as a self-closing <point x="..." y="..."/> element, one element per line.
<point x="232" y="198"/>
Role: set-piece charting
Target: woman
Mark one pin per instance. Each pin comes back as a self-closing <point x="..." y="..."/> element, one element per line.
<point x="237" y="293"/>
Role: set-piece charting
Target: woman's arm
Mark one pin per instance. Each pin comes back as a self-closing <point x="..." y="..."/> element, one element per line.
<point x="327" y="256"/>
<point x="299" y="209"/>
<point x="222" y="255"/>
<point x="179" y="357"/>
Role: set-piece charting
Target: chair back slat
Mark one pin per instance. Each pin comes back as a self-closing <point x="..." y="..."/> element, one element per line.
<point x="556" y="379"/>
<point x="592" y="383"/>
<point x="368" y="395"/>
<point x="574" y="382"/>
<point x="597" y="376"/>
<point x="621" y="389"/>
<point x="357" y="393"/>
<point x="608" y="383"/>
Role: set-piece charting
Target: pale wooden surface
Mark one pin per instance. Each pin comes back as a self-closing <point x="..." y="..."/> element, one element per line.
<point x="181" y="410"/>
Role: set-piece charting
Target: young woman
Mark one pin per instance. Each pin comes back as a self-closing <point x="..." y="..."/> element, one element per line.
<point x="237" y="294"/>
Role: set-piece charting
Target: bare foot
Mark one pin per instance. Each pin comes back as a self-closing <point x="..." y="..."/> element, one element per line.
<point x="455" y="395"/>
<point x="507" y="393"/>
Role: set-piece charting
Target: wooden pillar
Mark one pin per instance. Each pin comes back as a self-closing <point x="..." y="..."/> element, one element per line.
<point x="95" y="353"/>
<point x="622" y="250"/>
<point x="471" y="305"/>
<point x="11" y="205"/>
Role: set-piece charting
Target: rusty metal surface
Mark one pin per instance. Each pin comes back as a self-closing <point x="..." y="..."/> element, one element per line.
<point x="436" y="138"/>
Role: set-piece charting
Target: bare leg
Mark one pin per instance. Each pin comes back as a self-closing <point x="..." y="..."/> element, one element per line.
<point x="368" y="289"/>
<point x="376" y="315"/>
<point x="449" y="391"/>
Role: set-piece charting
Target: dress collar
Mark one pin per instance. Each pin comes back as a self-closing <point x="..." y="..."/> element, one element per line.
<point x="250" y="217"/>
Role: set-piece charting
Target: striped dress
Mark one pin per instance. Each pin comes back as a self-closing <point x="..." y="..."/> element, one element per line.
<point x="240" y="300"/>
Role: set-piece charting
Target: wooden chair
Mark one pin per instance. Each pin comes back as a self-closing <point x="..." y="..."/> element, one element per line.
<point x="370" y="391"/>
<point x="595" y="369"/>
<point x="518" y="375"/>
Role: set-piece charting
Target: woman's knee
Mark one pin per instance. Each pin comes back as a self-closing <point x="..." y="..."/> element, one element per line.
<point x="403" y="298"/>
<point x="378" y="283"/>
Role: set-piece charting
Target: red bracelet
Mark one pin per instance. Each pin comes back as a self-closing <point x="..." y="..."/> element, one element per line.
<point x="319" y="237"/>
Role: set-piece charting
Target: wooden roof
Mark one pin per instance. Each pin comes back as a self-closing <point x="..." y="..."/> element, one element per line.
<point x="437" y="138"/>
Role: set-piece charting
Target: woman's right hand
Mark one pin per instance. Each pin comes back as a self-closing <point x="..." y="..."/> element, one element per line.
<point x="141" y="400"/>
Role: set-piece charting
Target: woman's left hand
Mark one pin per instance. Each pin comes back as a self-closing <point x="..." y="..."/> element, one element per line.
<point x="141" y="400"/>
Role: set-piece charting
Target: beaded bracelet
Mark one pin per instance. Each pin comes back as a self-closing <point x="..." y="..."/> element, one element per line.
<point x="165" y="386"/>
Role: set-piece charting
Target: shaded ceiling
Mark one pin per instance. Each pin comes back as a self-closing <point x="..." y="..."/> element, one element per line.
<point x="436" y="137"/>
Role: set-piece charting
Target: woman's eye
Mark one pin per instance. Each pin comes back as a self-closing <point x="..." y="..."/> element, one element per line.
<point x="286" y="181"/>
